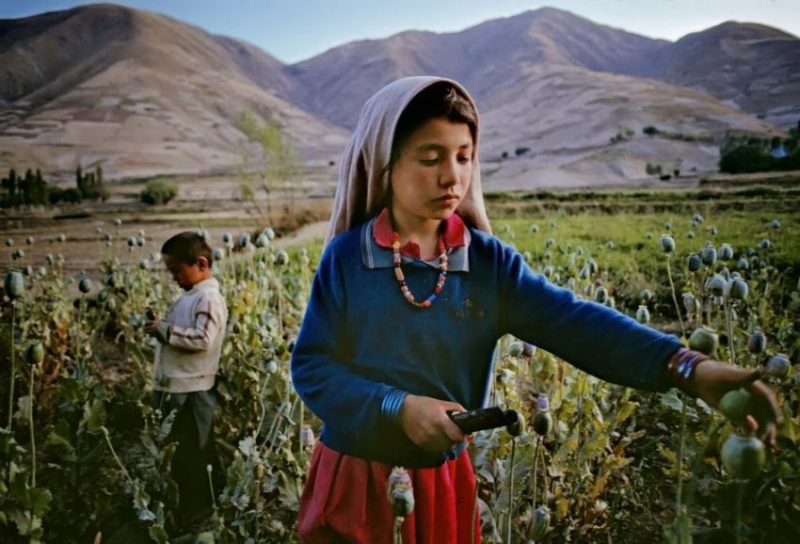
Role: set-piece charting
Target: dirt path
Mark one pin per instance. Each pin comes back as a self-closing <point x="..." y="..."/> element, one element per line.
<point x="306" y="235"/>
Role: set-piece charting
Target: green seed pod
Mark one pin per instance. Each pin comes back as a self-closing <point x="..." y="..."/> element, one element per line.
<point x="543" y="422"/>
<point x="14" y="284"/>
<point x="262" y="241"/>
<point x="244" y="240"/>
<point x="743" y="264"/>
<point x="516" y="427"/>
<point x="34" y="354"/>
<point x="726" y="252"/>
<point x="643" y="315"/>
<point x="269" y="232"/>
<point x="540" y="523"/>
<point x="765" y="243"/>
<point x="733" y="405"/>
<point x="737" y="289"/>
<point x="515" y="349"/>
<point x="757" y="343"/>
<point x="534" y="228"/>
<point x="716" y="285"/>
<point x="778" y="366"/>
<point x="704" y="340"/>
<point x="601" y="295"/>
<point x="85" y="285"/>
<point x="667" y="244"/>
<point x="709" y="255"/>
<point x="646" y="295"/>
<point x="218" y="254"/>
<point x="743" y="456"/>
<point x="281" y="258"/>
<point x="689" y="302"/>
<point x="712" y="231"/>
<point x="775" y="225"/>
<point x="697" y="218"/>
<point x="694" y="262"/>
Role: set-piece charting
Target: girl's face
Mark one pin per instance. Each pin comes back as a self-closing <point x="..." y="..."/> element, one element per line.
<point x="433" y="172"/>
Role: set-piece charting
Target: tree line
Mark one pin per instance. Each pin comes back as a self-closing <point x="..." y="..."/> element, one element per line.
<point x="31" y="189"/>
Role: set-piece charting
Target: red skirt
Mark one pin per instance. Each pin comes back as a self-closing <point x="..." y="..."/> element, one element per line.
<point x="345" y="500"/>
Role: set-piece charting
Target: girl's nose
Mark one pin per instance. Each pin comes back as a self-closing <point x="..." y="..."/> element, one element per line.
<point x="448" y="173"/>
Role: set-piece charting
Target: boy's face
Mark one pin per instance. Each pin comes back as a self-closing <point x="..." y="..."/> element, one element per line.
<point x="433" y="172"/>
<point x="187" y="275"/>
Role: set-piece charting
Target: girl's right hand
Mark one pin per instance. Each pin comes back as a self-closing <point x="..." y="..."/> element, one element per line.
<point x="426" y="422"/>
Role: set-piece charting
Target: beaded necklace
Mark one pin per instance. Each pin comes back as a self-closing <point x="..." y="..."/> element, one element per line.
<point x="401" y="279"/>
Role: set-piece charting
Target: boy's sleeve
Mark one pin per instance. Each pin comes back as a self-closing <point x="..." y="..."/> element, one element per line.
<point x="344" y="400"/>
<point x="593" y="337"/>
<point x="209" y="321"/>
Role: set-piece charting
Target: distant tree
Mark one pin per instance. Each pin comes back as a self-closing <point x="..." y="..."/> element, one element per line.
<point x="521" y="151"/>
<point x="746" y="159"/>
<point x="650" y="130"/>
<point x="275" y="160"/>
<point x="158" y="191"/>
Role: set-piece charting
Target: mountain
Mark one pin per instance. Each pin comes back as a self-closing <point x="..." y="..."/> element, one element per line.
<point x="139" y="93"/>
<point x="563" y="100"/>
<point x="755" y="67"/>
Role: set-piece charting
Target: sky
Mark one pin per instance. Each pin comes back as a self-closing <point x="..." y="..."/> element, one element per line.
<point x="294" y="30"/>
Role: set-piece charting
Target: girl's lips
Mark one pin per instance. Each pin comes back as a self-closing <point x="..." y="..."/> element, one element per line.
<point x="447" y="198"/>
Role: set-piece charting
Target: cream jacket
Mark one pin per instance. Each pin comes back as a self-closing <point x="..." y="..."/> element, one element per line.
<point x="190" y="340"/>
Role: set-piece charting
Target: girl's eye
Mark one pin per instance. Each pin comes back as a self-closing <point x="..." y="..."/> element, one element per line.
<point x="464" y="159"/>
<point x="428" y="161"/>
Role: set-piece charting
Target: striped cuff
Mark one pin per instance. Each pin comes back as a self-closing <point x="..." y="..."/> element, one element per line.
<point x="392" y="403"/>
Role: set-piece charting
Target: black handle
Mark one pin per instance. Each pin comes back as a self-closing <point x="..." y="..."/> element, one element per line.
<point x="483" y="418"/>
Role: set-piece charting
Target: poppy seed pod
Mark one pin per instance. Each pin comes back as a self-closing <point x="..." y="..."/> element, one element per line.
<point x="778" y="366"/>
<point x="757" y="343"/>
<point x="743" y="264"/>
<point x="716" y="285"/>
<point x="775" y="225"/>
<point x="646" y="295"/>
<point x="543" y="420"/>
<point x="34" y="354"/>
<point x="269" y="232"/>
<point x="517" y="425"/>
<point x="262" y="241"/>
<point x="743" y="456"/>
<point x="540" y="523"/>
<point x="733" y="405"/>
<point x="697" y="218"/>
<point x="694" y="262"/>
<point x="307" y="439"/>
<point x="244" y="240"/>
<point x="534" y="228"/>
<point x="14" y="284"/>
<point x="281" y="258"/>
<point x="712" y="231"/>
<point x="667" y="226"/>
<point x="401" y="494"/>
<point x="726" y="252"/>
<point x="601" y="295"/>
<point x="515" y="349"/>
<point x="708" y="255"/>
<point x="85" y="285"/>
<point x="737" y="289"/>
<point x="29" y="240"/>
<point x="667" y="244"/>
<point x="765" y="243"/>
<point x="643" y="315"/>
<point x="704" y="340"/>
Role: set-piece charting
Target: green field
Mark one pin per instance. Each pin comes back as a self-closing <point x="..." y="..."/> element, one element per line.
<point x="90" y="457"/>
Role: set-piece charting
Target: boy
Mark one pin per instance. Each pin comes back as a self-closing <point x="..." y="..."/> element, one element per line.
<point x="186" y="364"/>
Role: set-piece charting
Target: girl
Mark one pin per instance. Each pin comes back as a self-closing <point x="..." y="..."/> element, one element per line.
<point x="410" y="297"/>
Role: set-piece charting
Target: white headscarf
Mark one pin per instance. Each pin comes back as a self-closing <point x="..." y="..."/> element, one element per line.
<point x="363" y="176"/>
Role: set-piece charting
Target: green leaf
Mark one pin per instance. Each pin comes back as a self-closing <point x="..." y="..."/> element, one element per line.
<point x="94" y="416"/>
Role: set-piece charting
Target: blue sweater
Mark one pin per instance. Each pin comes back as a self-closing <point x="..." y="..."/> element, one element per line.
<point x="361" y="344"/>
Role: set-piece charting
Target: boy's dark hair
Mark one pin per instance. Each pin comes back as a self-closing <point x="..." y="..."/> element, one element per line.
<point x="187" y="247"/>
<point x="440" y="99"/>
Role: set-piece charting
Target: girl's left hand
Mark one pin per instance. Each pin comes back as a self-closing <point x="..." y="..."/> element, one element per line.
<point x="712" y="379"/>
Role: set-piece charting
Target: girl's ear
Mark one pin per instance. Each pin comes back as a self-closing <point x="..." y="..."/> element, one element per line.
<point x="202" y="263"/>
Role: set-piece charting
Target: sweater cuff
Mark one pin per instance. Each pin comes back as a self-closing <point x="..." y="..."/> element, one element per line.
<point x="392" y="403"/>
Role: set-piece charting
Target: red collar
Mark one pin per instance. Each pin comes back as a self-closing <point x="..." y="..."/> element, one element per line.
<point x="382" y="233"/>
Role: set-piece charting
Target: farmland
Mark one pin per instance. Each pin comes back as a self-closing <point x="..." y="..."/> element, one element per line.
<point x="84" y="453"/>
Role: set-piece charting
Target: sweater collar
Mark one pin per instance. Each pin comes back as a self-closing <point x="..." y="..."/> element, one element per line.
<point x="210" y="283"/>
<point x="376" y="245"/>
<point x="383" y="234"/>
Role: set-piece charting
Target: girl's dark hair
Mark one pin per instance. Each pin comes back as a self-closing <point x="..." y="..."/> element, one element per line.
<point x="441" y="99"/>
<point x="187" y="247"/>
